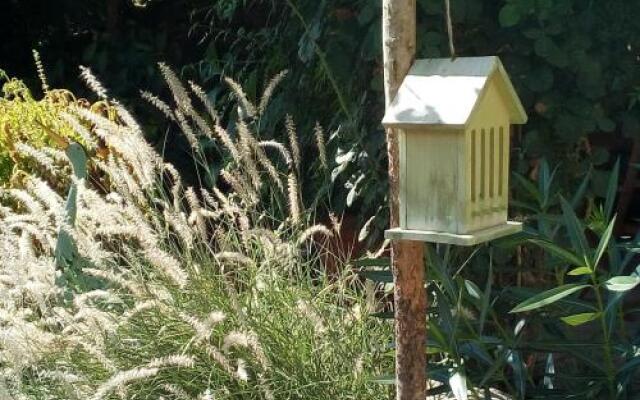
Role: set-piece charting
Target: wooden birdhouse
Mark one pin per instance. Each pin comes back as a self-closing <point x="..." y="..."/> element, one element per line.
<point x="454" y="119"/>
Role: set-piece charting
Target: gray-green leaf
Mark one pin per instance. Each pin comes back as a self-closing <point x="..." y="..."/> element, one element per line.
<point x="548" y="297"/>
<point x="622" y="283"/>
<point x="579" y="319"/>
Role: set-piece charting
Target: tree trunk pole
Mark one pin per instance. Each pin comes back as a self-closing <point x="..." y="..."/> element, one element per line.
<point x="410" y="299"/>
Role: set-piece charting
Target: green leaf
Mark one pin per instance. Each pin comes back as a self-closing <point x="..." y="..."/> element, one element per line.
<point x="579" y="319"/>
<point x="377" y="276"/>
<point x="509" y="15"/>
<point x="548" y="297"/>
<point x="561" y="253"/>
<point x="385" y="380"/>
<point x="528" y="186"/>
<point x="575" y="229"/>
<point x="473" y="289"/>
<point x="622" y="283"/>
<point x="580" y="271"/>
<point x="612" y="190"/>
<point x="579" y="194"/>
<point x="604" y="242"/>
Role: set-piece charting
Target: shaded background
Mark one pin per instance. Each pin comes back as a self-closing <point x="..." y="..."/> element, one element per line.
<point x="574" y="63"/>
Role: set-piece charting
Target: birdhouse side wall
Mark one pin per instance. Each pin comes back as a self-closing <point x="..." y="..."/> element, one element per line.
<point x="487" y="160"/>
<point x="432" y="189"/>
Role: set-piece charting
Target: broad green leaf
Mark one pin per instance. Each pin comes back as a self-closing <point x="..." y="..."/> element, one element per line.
<point x="473" y="289"/>
<point x="580" y="271"/>
<point x="548" y="297"/>
<point x="579" y="319"/>
<point x="509" y="15"/>
<point x="377" y="276"/>
<point x="579" y="194"/>
<point x="561" y="253"/>
<point x="622" y="283"/>
<point x="612" y="190"/>
<point x="604" y="242"/>
<point x="575" y="229"/>
<point x="529" y="187"/>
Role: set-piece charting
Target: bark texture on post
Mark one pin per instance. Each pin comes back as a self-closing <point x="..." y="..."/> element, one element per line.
<point x="410" y="302"/>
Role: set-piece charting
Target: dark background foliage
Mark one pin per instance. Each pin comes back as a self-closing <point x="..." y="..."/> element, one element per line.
<point x="573" y="62"/>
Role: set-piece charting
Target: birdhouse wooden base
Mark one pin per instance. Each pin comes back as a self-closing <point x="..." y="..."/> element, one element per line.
<point x="469" y="239"/>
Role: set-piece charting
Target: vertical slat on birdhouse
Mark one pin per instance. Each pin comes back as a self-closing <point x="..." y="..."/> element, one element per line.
<point x="479" y="182"/>
<point x="504" y="162"/>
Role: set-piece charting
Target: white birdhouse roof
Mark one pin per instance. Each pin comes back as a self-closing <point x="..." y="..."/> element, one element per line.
<point x="446" y="92"/>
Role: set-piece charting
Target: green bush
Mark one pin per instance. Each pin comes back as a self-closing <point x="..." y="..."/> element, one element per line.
<point x="34" y="132"/>
<point x="555" y="325"/>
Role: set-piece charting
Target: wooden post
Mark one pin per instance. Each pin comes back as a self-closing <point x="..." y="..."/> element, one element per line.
<point x="410" y="302"/>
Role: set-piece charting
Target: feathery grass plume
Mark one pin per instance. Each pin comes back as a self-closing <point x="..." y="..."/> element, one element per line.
<point x="221" y="359"/>
<point x="88" y="140"/>
<point x="93" y="83"/>
<point x="294" y="204"/>
<point x="225" y="202"/>
<point x="180" y="95"/>
<point x="33" y="206"/>
<point x="240" y="186"/>
<point x="336" y="223"/>
<point x="246" y="152"/>
<point x="43" y="192"/>
<point x="39" y="156"/>
<point x="176" y="360"/>
<point x="195" y="217"/>
<point x="167" y="264"/>
<point x="40" y="69"/>
<point x="139" y="308"/>
<point x="123" y="378"/>
<point x="293" y="141"/>
<point x="227" y="141"/>
<point x="158" y="104"/>
<point x="202" y="329"/>
<point x="176" y="186"/>
<point x="176" y="392"/>
<point x="248" y="340"/>
<point x="57" y="155"/>
<point x="203" y="126"/>
<point x="187" y="130"/>
<point x="320" y="142"/>
<point x="232" y="256"/>
<point x="280" y="148"/>
<point x="208" y="199"/>
<point x="180" y="224"/>
<point x="260" y="155"/>
<point x="318" y="229"/>
<point x="248" y="107"/>
<point x="269" y="90"/>
<point x="202" y="96"/>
